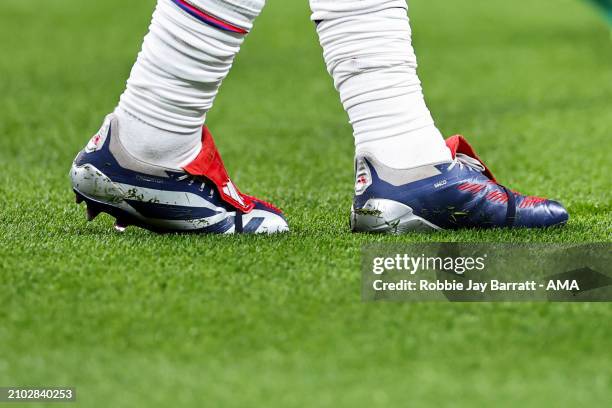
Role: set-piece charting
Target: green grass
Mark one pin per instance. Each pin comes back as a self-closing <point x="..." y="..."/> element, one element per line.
<point x="140" y="320"/>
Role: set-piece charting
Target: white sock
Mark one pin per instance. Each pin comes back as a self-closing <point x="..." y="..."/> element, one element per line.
<point x="157" y="146"/>
<point x="367" y="46"/>
<point x="187" y="53"/>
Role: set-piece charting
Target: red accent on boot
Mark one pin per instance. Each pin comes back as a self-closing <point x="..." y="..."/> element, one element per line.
<point x="209" y="165"/>
<point x="458" y="144"/>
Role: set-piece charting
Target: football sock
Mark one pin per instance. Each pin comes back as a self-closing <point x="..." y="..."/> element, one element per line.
<point x="187" y="53"/>
<point x="367" y="46"/>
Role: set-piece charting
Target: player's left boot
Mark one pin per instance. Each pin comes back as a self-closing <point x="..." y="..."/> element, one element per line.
<point x="453" y="195"/>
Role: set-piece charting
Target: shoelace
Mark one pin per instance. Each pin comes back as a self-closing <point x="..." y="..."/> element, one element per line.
<point x="466" y="161"/>
<point x="191" y="180"/>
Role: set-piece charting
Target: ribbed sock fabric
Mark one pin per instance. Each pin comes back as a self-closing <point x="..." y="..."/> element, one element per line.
<point x="187" y="53"/>
<point x="367" y="46"/>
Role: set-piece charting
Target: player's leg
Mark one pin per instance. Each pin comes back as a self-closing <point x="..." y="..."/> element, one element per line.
<point x="407" y="177"/>
<point x="153" y="164"/>
<point x="368" y="51"/>
<point x="185" y="57"/>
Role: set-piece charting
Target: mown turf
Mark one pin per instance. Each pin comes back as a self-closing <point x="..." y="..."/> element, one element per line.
<point x="139" y="320"/>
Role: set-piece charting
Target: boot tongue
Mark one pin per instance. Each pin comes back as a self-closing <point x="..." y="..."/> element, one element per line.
<point x="459" y="145"/>
<point x="209" y="165"/>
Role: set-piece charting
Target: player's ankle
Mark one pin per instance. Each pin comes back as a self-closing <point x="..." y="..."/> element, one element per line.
<point x="157" y="146"/>
<point x="418" y="148"/>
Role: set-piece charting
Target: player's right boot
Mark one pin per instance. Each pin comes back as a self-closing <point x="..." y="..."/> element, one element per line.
<point x="458" y="194"/>
<point x="200" y="199"/>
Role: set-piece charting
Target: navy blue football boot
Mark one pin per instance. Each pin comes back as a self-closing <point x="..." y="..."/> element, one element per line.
<point x="200" y="199"/>
<point x="458" y="194"/>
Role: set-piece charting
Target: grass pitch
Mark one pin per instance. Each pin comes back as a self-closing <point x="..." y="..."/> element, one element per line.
<point x="140" y="320"/>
